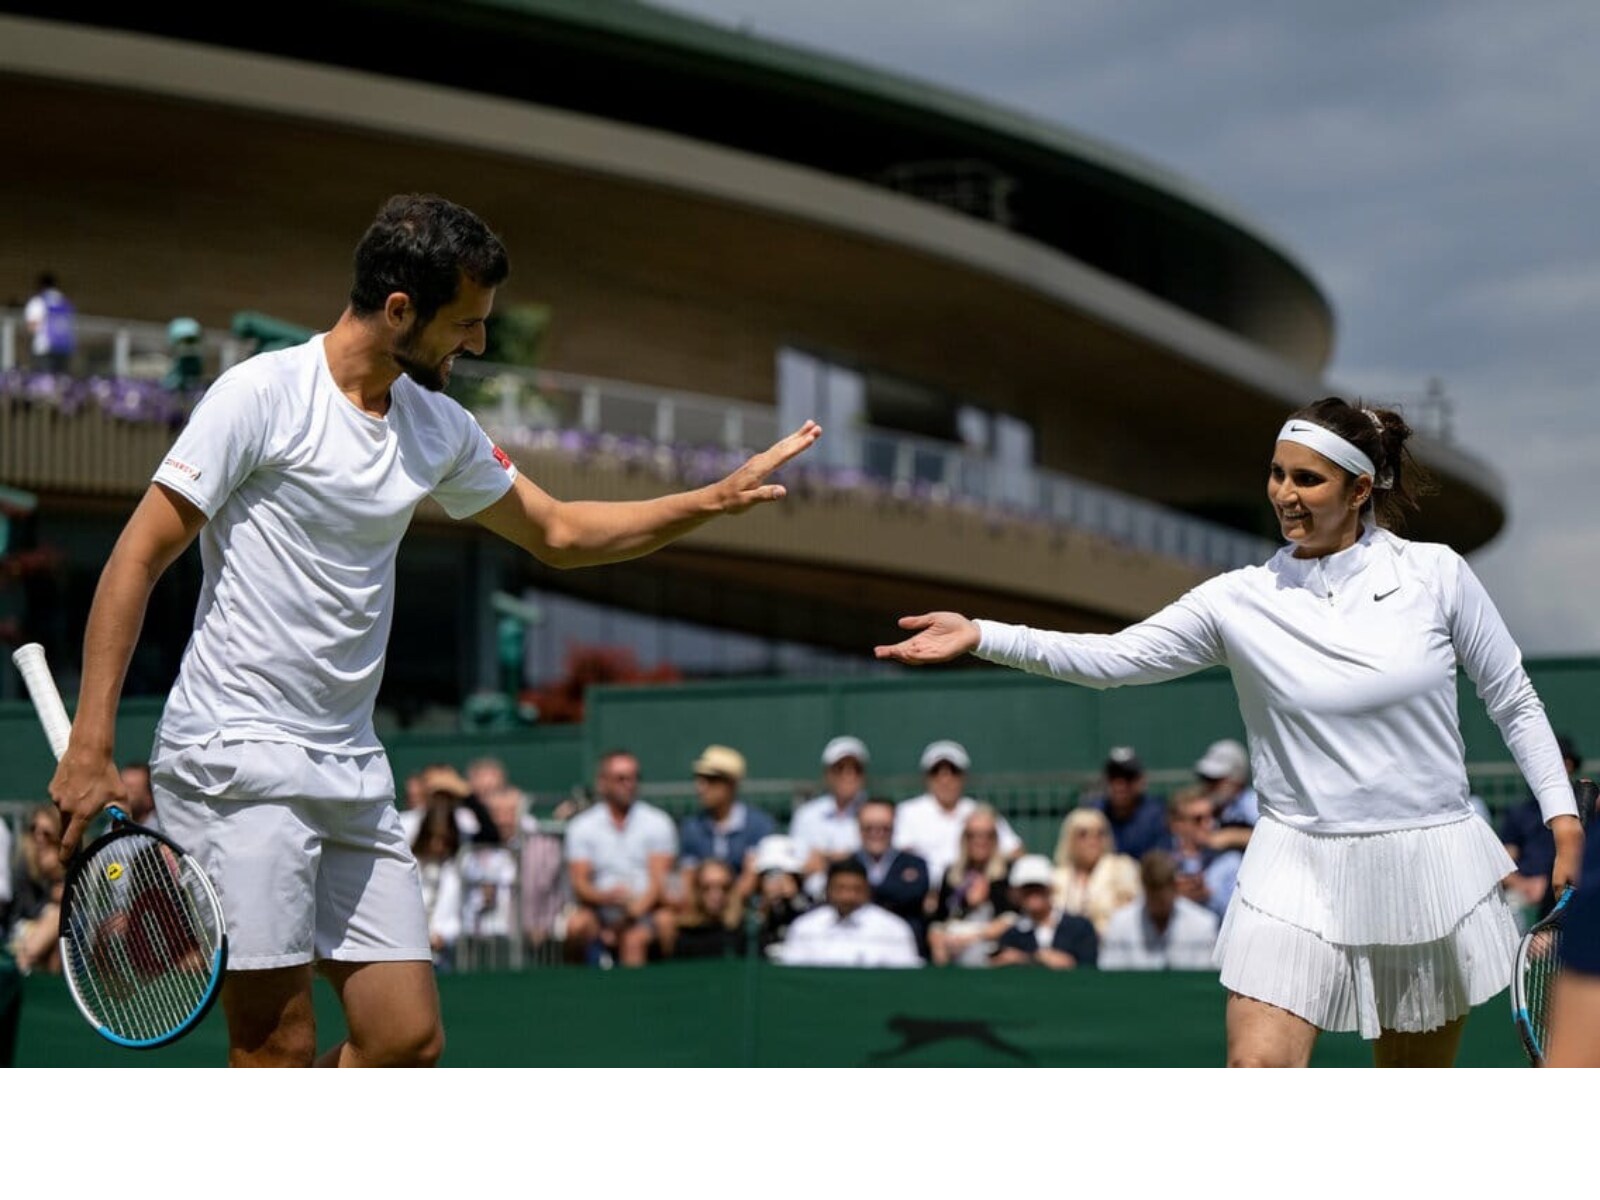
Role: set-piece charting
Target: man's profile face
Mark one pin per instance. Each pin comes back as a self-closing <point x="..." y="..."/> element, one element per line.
<point x="426" y="351"/>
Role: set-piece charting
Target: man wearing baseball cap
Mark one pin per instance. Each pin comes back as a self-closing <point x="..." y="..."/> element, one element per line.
<point x="1138" y="819"/>
<point x="1041" y="934"/>
<point x="826" y="829"/>
<point x="725" y="828"/>
<point x="930" y="825"/>
<point x="1224" y="775"/>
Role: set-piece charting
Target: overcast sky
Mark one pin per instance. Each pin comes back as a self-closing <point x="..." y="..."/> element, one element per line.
<point x="1433" y="163"/>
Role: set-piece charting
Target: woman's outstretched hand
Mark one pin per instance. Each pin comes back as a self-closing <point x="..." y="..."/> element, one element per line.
<point x="940" y="637"/>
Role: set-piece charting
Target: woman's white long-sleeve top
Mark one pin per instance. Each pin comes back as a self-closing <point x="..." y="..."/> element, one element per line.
<point x="1345" y="670"/>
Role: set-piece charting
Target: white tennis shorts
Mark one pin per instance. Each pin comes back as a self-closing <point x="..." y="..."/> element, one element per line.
<point x="305" y="848"/>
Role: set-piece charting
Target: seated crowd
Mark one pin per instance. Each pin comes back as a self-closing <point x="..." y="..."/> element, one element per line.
<point x="1135" y="881"/>
<point x="857" y="878"/>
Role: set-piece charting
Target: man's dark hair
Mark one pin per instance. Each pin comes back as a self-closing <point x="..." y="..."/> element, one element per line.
<point x="846" y="866"/>
<point x="421" y="245"/>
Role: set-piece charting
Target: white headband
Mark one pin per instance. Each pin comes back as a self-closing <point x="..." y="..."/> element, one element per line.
<point x="1330" y="445"/>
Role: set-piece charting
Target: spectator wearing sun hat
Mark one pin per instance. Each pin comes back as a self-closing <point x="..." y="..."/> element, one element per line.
<point x="826" y="829"/>
<point x="725" y="828"/>
<point x="930" y="825"/>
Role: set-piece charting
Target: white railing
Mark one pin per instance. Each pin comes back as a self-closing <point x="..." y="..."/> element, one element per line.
<point x="521" y="401"/>
<point x="120" y="349"/>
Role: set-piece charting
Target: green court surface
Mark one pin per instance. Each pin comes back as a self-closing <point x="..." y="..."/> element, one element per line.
<point x="732" y="1013"/>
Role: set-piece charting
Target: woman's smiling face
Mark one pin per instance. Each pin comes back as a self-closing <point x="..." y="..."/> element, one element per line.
<point x="1317" y="502"/>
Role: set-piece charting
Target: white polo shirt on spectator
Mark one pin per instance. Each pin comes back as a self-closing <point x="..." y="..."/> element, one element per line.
<point x="820" y="824"/>
<point x="1132" y="942"/>
<point x="621" y="855"/>
<point x="927" y="829"/>
<point x="869" y="937"/>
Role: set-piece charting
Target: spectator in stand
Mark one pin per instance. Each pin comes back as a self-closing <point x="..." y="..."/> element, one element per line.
<point x="930" y="825"/>
<point x="1163" y="931"/>
<point x="975" y="904"/>
<point x="826" y="828"/>
<point x="52" y="327"/>
<point x="489" y="868"/>
<point x="1205" y="875"/>
<point x="441" y="781"/>
<point x="35" y="932"/>
<point x="486" y="775"/>
<point x="1138" y="819"/>
<point x="185" y="356"/>
<point x="141" y="808"/>
<point x="725" y="829"/>
<point x="437" y="848"/>
<point x="1042" y="933"/>
<point x="540" y="882"/>
<point x="1223" y="772"/>
<point x="899" y="880"/>
<point x="780" y="889"/>
<point x="619" y="854"/>
<point x="848" y="930"/>
<point x="1533" y="847"/>
<point x="713" y="922"/>
<point x="1091" y="879"/>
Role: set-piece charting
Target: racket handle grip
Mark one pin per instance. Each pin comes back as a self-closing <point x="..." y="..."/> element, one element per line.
<point x="1585" y="792"/>
<point x="47" y="703"/>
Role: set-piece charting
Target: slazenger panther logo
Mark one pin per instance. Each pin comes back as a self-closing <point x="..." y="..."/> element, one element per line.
<point x="182" y="467"/>
<point x="501" y="457"/>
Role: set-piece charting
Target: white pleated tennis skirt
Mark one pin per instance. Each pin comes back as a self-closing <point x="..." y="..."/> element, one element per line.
<point x="1405" y="930"/>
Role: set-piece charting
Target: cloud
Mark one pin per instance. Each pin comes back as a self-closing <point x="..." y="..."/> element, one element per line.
<point x="1429" y="162"/>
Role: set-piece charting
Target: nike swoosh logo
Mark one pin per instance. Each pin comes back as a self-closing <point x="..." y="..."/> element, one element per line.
<point x="1296" y="427"/>
<point x="1385" y="595"/>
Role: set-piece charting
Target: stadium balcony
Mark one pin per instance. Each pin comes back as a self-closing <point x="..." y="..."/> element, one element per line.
<point x="868" y="500"/>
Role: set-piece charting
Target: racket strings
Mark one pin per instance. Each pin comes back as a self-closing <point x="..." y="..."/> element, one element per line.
<point x="144" y="936"/>
<point x="1537" y="973"/>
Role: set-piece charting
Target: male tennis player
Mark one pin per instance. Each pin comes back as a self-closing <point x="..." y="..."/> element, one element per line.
<point x="299" y="472"/>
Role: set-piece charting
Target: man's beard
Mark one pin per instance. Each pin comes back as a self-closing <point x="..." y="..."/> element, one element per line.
<point x="433" y="376"/>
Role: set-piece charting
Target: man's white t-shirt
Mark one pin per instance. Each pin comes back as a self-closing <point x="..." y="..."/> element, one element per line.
<point x="307" y="498"/>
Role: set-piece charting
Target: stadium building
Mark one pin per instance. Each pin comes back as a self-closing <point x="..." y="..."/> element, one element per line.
<point x="1047" y="371"/>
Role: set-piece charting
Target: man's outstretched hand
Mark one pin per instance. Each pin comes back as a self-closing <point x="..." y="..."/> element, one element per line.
<point x="747" y="486"/>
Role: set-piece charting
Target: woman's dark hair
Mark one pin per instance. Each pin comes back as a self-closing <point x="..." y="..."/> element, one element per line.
<point x="421" y="245"/>
<point x="1380" y="434"/>
<point x="438" y="818"/>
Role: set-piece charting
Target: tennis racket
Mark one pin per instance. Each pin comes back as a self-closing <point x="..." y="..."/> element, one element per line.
<point x="143" y="940"/>
<point x="1538" y="960"/>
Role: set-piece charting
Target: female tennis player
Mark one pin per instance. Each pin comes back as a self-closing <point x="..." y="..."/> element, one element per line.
<point x="1369" y="897"/>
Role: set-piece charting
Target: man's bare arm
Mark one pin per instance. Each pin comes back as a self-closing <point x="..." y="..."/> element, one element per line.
<point x="161" y="528"/>
<point x="583" y="533"/>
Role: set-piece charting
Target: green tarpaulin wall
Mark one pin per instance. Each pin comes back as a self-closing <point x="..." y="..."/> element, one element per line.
<point x="717" y="1014"/>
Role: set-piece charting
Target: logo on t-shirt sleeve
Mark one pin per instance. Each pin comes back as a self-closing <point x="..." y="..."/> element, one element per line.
<point x="500" y="456"/>
<point x="181" y="467"/>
